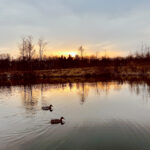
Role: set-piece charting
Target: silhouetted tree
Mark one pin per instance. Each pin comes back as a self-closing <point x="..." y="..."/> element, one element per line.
<point x="42" y="45"/>
<point x="22" y="48"/>
<point x="30" y="51"/>
<point x="81" y="51"/>
<point x="26" y="48"/>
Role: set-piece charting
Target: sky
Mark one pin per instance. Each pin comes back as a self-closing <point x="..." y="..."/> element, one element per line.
<point x="116" y="27"/>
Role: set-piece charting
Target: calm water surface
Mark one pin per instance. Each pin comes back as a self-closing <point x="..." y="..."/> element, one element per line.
<point x="98" y="116"/>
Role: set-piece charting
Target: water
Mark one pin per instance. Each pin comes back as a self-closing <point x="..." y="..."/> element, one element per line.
<point x="102" y="115"/>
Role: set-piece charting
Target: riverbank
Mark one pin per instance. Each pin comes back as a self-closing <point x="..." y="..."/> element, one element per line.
<point x="80" y="72"/>
<point x="70" y="75"/>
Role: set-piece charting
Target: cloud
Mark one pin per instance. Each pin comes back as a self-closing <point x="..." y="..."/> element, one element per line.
<point x="76" y="22"/>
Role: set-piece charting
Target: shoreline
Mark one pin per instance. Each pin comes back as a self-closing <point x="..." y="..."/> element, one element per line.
<point x="71" y="75"/>
<point x="109" y="71"/>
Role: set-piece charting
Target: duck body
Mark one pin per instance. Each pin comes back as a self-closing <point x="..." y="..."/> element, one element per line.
<point x="58" y="121"/>
<point x="47" y="108"/>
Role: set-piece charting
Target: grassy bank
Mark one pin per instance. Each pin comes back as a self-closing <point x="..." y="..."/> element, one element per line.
<point x="87" y="74"/>
<point x="109" y="71"/>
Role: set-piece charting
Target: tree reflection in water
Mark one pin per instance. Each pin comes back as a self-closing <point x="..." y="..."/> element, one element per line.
<point x="31" y="95"/>
<point x="140" y="89"/>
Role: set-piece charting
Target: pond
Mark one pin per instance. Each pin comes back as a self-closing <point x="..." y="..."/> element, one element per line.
<point x="99" y="115"/>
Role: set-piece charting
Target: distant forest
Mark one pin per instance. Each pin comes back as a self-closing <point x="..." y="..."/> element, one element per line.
<point x="27" y="62"/>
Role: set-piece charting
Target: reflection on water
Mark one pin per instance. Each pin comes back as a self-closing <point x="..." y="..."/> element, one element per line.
<point x="29" y="97"/>
<point x="100" y="115"/>
<point x="31" y="94"/>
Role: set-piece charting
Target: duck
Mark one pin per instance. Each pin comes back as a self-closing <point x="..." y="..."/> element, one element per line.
<point x="48" y="107"/>
<point x="58" y="121"/>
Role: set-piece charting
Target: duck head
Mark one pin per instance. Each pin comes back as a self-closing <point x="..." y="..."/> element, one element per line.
<point x="50" y="107"/>
<point x="61" y="120"/>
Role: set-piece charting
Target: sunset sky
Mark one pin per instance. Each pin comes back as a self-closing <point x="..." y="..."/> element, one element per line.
<point x="117" y="26"/>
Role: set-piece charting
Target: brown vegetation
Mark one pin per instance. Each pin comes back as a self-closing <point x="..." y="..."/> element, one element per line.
<point x="27" y="67"/>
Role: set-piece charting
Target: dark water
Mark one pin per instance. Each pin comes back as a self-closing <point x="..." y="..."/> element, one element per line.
<point x="98" y="116"/>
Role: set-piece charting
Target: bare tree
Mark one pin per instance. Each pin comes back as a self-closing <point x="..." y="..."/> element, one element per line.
<point x="22" y="48"/>
<point x="81" y="49"/>
<point x="27" y="48"/>
<point x="30" y="48"/>
<point x="42" y="45"/>
<point x="97" y="54"/>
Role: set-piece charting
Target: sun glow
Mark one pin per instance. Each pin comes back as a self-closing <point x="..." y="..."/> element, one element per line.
<point x="64" y="53"/>
<point x="73" y="54"/>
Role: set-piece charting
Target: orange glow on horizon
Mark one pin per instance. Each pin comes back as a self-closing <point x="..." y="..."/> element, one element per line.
<point x="100" y="54"/>
<point x="111" y="54"/>
<point x="87" y="53"/>
<point x="62" y="53"/>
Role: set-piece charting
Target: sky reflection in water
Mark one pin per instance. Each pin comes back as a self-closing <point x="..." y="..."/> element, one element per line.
<point x="102" y="115"/>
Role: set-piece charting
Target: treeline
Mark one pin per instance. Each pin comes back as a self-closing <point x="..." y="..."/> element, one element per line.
<point x="28" y="62"/>
<point x="8" y="64"/>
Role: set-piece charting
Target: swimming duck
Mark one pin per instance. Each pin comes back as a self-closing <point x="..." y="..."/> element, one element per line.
<point x="58" y="121"/>
<point x="48" y="107"/>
